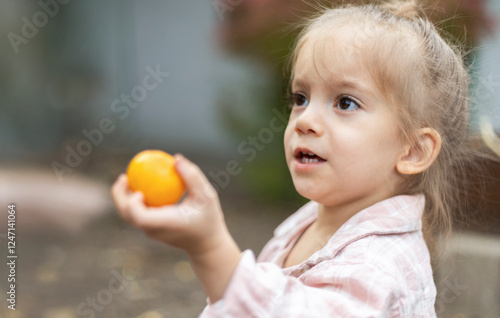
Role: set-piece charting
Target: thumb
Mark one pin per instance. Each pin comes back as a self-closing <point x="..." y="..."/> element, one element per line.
<point x="196" y="182"/>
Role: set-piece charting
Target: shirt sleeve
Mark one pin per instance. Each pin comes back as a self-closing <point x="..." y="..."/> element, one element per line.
<point x="328" y="289"/>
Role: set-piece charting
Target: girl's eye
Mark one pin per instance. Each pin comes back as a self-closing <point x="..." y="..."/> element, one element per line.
<point x="299" y="100"/>
<point x="347" y="104"/>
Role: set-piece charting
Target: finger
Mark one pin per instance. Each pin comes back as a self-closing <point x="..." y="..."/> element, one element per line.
<point x="165" y="218"/>
<point x="120" y="191"/>
<point x="136" y="209"/>
<point x="124" y="197"/>
<point x="196" y="182"/>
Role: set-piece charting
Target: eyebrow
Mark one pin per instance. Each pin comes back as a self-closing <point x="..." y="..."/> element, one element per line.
<point x="300" y="83"/>
<point x="339" y="83"/>
<point x="349" y="84"/>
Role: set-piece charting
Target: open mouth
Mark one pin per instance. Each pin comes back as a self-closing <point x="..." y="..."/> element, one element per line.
<point x="306" y="156"/>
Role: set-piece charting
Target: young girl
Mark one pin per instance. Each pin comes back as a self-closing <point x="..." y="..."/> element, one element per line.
<point x="379" y="113"/>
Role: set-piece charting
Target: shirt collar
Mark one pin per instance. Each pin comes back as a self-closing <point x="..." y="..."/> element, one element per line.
<point x="399" y="214"/>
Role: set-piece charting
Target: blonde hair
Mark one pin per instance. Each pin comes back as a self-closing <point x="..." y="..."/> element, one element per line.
<point x="428" y="80"/>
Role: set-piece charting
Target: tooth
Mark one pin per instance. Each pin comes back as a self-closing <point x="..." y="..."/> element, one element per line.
<point x="309" y="160"/>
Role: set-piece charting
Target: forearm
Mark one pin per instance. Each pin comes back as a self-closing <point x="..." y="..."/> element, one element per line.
<point x="216" y="266"/>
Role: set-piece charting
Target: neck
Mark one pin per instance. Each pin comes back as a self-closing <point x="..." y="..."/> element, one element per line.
<point x="332" y="217"/>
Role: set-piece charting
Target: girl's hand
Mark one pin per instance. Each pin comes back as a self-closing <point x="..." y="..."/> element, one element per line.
<point x="196" y="225"/>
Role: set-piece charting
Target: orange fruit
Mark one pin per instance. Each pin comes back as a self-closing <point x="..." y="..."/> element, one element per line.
<point x="152" y="172"/>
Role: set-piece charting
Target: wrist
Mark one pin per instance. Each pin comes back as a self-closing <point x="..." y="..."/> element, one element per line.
<point x="223" y="243"/>
<point x="215" y="265"/>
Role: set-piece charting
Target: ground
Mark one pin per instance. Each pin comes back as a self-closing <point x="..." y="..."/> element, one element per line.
<point x="124" y="272"/>
<point x="110" y="269"/>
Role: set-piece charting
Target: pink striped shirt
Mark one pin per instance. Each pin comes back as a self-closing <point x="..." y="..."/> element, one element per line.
<point x="376" y="265"/>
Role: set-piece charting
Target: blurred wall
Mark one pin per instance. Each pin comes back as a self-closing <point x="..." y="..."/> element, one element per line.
<point x="89" y="54"/>
<point x="488" y="77"/>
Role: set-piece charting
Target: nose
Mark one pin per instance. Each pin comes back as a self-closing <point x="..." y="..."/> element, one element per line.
<point x="309" y="122"/>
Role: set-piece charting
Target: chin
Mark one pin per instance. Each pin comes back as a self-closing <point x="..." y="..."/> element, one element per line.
<point x="308" y="192"/>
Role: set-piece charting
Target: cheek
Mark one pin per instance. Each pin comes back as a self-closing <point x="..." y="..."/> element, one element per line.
<point x="384" y="149"/>
<point x="367" y="149"/>
<point x="287" y="142"/>
<point x="288" y="136"/>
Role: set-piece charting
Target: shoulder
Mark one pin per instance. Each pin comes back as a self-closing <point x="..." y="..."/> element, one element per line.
<point x="393" y="253"/>
<point x="399" y="263"/>
<point x="393" y="269"/>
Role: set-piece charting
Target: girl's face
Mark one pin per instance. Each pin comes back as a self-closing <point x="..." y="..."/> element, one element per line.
<point x="342" y="140"/>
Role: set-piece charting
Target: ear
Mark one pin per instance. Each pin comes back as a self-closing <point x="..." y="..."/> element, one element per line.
<point x="418" y="157"/>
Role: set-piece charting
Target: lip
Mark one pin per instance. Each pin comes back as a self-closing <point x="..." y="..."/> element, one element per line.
<point x="299" y="166"/>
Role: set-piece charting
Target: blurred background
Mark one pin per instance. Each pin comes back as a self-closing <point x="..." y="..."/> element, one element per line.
<point x="84" y="85"/>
